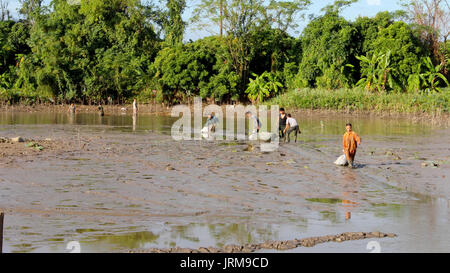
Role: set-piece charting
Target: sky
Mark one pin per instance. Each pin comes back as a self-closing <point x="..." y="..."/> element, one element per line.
<point x="361" y="8"/>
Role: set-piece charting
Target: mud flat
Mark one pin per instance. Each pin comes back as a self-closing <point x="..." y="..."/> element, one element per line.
<point x="116" y="184"/>
<point x="17" y="147"/>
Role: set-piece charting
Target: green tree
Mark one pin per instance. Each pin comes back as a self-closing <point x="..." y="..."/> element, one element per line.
<point x="195" y="68"/>
<point x="31" y="9"/>
<point x="368" y="29"/>
<point x="13" y="47"/>
<point x="173" y="22"/>
<point x="327" y="47"/>
<point x="272" y="49"/>
<point x="240" y="18"/>
<point x="406" y="50"/>
<point x="91" y="51"/>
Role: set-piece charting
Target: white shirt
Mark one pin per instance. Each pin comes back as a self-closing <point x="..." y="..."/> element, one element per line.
<point x="292" y="122"/>
<point x="213" y="121"/>
<point x="256" y="123"/>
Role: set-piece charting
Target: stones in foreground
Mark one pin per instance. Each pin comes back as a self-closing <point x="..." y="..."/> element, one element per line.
<point x="432" y="164"/>
<point x="29" y="143"/>
<point x="277" y="245"/>
<point x="169" y="168"/>
<point x="12" y="140"/>
<point x="17" y="139"/>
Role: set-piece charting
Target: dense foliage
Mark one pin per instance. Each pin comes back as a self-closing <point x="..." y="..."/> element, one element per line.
<point x="358" y="99"/>
<point x="101" y="50"/>
<point x="86" y="52"/>
<point x="328" y="46"/>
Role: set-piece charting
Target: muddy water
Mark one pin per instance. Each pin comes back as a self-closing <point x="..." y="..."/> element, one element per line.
<point x="123" y="183"/>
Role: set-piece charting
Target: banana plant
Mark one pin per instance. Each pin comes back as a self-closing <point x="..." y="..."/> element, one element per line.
<point x="263" y="86"/>
<point x="376" y="72"/>
<point x="428" y="80"/>
<point x="415" y="81"/>
<point x="432" y="76"/>
<point x="368" y="72"/>
<point x="272" y="83"/>
<point x="385" y="72"/>
<point x="5" y="81"/>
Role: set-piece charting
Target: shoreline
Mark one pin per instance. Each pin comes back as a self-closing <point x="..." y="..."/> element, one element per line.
<point x="62" y="108"/>
<point x="433" y="119"/>
<point x="160" y="109"/>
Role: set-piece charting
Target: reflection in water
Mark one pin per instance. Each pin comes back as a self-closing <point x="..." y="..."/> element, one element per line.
<point x="99" y="242"/>
<point x="241" y="233"/>
<point x="220" y="234"/>
<point x="127" y="240"/>
<point x="192" y="235"/>
<point x="309" y="125"/>
<point x="350" y="187"/>
<point x="71" y="118"/>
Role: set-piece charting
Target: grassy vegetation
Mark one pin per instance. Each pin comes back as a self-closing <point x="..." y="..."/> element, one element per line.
<point x="361" y="100"/>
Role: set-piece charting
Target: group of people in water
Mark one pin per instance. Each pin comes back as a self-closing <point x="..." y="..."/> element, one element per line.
<point x="350" y="141"/>
<point x="100" y="109"/>
<point x="286" y="126"/>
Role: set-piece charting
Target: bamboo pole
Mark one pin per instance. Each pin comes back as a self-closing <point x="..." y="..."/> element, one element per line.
<point x="1" y="231"/>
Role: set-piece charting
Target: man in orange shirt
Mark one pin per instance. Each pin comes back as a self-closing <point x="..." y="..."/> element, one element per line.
<point x="351" y="141"/>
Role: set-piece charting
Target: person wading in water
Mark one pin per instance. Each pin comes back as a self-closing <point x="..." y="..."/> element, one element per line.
<point x="135" y="107"/>
<point x="71" y="109"/>
<point x="255" y="121"/>
<point x="292" y="126"/>
<point x="351" y="140"/>
<point x="282" y="124"/>
<point x="100" y="110"/>
<point x="212" y="122"/>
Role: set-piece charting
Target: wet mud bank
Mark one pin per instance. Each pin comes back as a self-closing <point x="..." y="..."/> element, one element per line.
<point x="18" y="147"/>
<point x="115" y="109"/>
<point x="121" y="183"/>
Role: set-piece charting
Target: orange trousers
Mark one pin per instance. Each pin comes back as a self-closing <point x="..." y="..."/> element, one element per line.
<point x="350" y="156"/>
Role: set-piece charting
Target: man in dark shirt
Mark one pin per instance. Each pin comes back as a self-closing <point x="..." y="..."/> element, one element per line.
<point x="100" y="110"/>
<point x="282" y="123"/>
